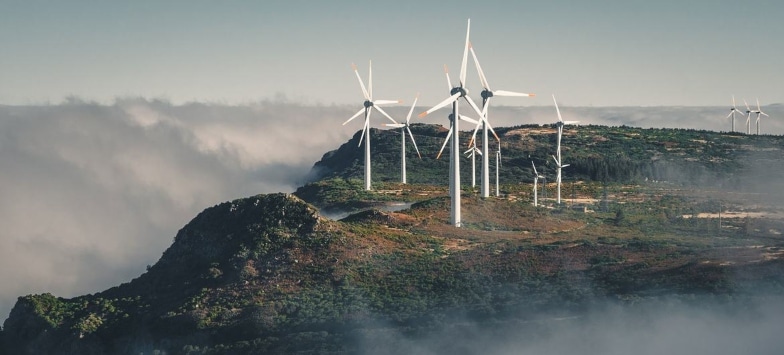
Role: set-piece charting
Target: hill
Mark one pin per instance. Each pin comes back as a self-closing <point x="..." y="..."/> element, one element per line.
<point x="595" y="153"/>
<point x="270" y="274"/>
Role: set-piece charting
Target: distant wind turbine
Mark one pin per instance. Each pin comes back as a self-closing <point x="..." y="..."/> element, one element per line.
<point x="536" y="183"/>
<point x="472" y="152"/>
<point x="733" y="110"/>
<point x="487" y="93"/>
<point x="759" y="114"/>
<point x="367" y="109"/>
<point x="558" y="162"/>
<point x="748" y="117"/>
<point x="455" y="94"/>
<point x="404" y="127"/>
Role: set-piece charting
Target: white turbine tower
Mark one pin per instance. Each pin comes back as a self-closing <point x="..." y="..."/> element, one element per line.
<point x="759" y="114"/>
<point x="367" y="109"/>
<point x="536" y="184"/>
<point x="733" y="110"/>
<point x="748" y="117"/>
<point x="472" y="152"/>
<point x="404" y="127"/>
<point x="454" y="167"/>
<point x="558" y="162"/>
<point x="487" y="93"/>
<point x="497" y="168"/>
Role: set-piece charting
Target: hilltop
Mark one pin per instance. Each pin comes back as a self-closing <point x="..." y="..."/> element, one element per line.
<point x="270" y="274"/>
<point x="595" y="153"/>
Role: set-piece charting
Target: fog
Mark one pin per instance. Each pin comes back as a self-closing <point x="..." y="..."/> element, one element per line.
<point x="672" y="328"/>
<point x="92" y="193"/>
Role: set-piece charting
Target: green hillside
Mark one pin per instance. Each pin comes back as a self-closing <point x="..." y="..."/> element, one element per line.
<point x="595" y="153"/>
<point x="269" y="274"/>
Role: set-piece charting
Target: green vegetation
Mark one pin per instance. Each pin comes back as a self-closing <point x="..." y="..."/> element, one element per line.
<point x="268" y="274"/>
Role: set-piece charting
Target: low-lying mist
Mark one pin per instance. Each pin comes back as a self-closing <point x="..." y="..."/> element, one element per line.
<point x="649" y="328"/>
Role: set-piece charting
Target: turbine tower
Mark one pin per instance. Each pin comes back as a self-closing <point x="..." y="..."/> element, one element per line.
<point x="367" y="109"/>
<point x="759" y="114"/>
<point x="404" y="127"/>
<point x="536" y="183"/>
<point x="558" y="162"/>
<point x="455" y="94"/>
<point x="472" y="152"/>
<point x="748" y="117"/>
<point x="733" y="110"/>
<point x="487" y="93"/>
<point x="497" y="168"/>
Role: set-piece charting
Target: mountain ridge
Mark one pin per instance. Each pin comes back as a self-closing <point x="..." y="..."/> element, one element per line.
<point x="269" y="274"/>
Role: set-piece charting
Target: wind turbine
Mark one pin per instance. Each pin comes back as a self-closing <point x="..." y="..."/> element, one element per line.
<point x="472" y="152"/>
<point x="536" y="183"/>
<point x="497" y="168"/>
<point x="404" y="127"/>
<point x="759" y="114"/>
<point x="487" y="93"/>
<point x="558" y="162"/>
<point x="748" y="117"/>
<point x="455" y="94"/>
<point x="733" y="110"/>
<point x="367" y="109"/>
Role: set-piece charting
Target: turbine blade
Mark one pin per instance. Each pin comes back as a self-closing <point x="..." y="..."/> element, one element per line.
<point x="565" y="165"/>
<point x="758" y="106"/>
<point x="448" y="81"/>
<point x="395" y="125"/>
<point x="445" y="142"/>
<point x="731" y="112"/>
<point x="482" y="77"/>
<point x="386" y="102"/>
<point x="557" y="110"/>
<point x="764" y="114"/>
<point x="747" y="105"/>
<point x="408" y="118"/>
<point x="733" y="101"/>
<point x="414" y="142"/>
<point x="441" y="104"/>
<point x="485" y="108"/>
<point x="469" y="119"/>
<point x="355" y="116"/>
<point x="465" y="57"/>
<point x="370" y="80"/>
<point x="571" y="122"/>
<point x="535" y="172"/>
<point x="385" y="114"/>
<point x="557" y="163"/>
<point x="364" y="129"/>
<point x="474" y="106"/>
<point x="470" y="150"/>
<point x="511" y="93"/>
<point x="493" y="131"/>
<point x="361" y="84"/>
<point x="472" y="141"/>
<point x="477" y="150"/>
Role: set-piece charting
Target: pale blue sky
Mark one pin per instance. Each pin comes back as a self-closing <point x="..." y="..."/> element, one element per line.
<point x="601" y="53"/>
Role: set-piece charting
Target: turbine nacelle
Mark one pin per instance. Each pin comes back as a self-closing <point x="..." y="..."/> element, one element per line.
<point x="459" y="89"/>
<point x="368" y="103"/>
<point x="486" y="94"/>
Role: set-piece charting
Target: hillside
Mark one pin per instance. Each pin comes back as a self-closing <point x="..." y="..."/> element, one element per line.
<point x="270" y="274"/>
<point x="595" y="153"/>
